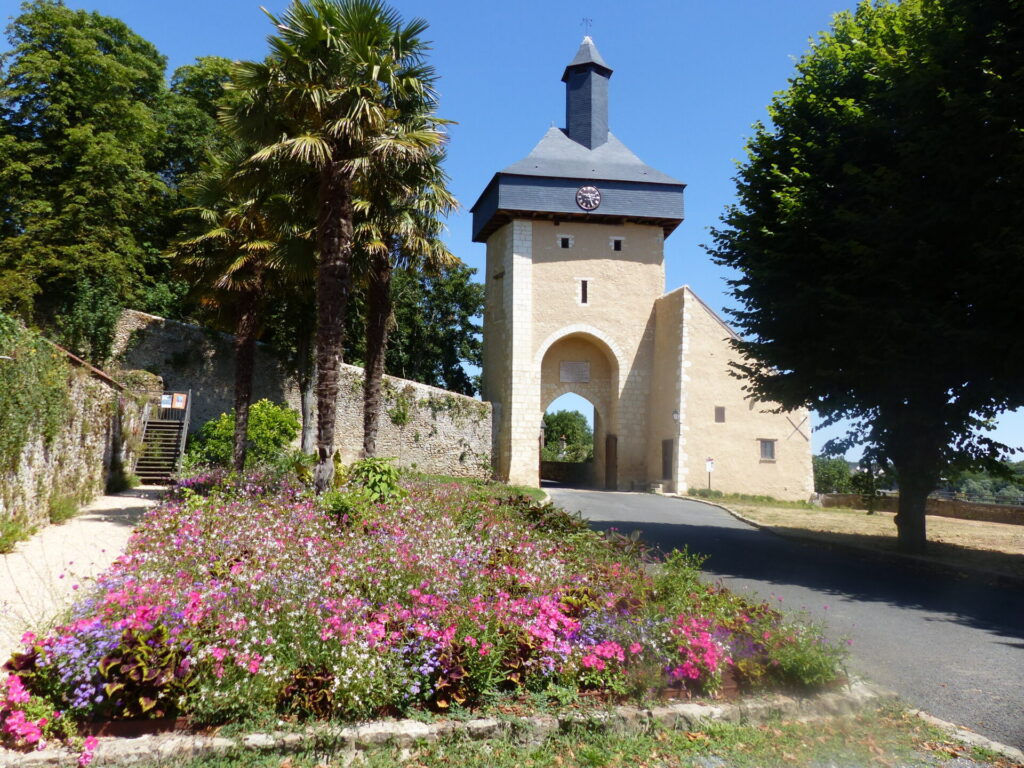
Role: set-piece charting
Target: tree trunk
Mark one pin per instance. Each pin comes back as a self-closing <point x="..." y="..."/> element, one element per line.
<point x="916" y="446"/>
<point x="306" y="378"/>
<point x="378" y="324"/>
<point x="245" y="348"/>
<point x="334" y="241"/>
<point x="911" y="523"/>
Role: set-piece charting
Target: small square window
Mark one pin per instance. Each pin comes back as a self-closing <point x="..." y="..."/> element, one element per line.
<point x="719" y="414"/>
<point x="583" y="291"/>
<point x="564" y="242"/>
<point x="616" y="245"/>
<point x="767" y="450"/>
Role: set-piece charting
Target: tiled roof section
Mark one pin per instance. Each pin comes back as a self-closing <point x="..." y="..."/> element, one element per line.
<point x="587" y="54"/>
<point x="556" y="155"/>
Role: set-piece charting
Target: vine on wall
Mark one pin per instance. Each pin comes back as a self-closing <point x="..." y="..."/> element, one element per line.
<point x="33" y="390"/>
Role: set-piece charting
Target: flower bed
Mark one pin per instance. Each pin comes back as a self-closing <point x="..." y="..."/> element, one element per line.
<point x="237" y="599"/>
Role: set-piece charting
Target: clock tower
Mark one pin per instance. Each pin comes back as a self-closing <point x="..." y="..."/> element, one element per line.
<point x="576" y="302"/>
<point x="574" y="235"/>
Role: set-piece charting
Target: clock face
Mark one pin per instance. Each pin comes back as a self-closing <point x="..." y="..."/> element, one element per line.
<point x="588" y="197"/>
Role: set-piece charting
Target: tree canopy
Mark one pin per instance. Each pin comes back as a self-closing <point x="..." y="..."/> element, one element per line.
<point x="571" y="426"/>
<point x="879" y="236"/>
<point x="92" y="146"/>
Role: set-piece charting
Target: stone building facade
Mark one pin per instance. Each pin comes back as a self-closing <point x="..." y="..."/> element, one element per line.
<point x="576" y="302"/>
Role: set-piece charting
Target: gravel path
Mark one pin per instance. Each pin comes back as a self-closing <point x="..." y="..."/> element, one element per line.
<point x="39" y="577"/>
<point x="951" y="647"/>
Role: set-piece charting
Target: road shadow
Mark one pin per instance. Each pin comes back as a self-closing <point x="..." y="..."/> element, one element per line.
<point x="127" y="513"/>
<point x="745" y="553"/>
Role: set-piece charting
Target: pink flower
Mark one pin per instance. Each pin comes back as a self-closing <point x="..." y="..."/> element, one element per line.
<point x="470" y="641"/>
<point x="91" y="742"/>
<point x="593" y="662"/>
<point x="635" y="648"/>
<point x="485" y="649"/>
<point x="16" y="693"/>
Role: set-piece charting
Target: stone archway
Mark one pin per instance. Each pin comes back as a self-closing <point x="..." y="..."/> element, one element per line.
<point x="583" y="364"/>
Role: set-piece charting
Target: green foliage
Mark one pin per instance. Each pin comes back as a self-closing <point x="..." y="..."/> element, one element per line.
<point x="435" y="332"/>
<point x="377" y="478"/>
<point x="62" y="509"/>
<point x="12" y="531"/>
<point x="93" y="146"/>
<point x="272" y="428"/>
<point x="399" y="413"/>
<point x="878" y="232"/>
<point x="831" y="475"/>
<point x="147" y="675"/>
<point x="579" y="438"/>
<point x="33" y="391"/>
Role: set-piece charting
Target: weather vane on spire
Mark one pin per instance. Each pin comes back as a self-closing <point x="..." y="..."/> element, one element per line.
<point x="587" y="23"/>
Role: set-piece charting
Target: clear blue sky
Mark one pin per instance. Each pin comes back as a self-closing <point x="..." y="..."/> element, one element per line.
<point x="690" y="78"/>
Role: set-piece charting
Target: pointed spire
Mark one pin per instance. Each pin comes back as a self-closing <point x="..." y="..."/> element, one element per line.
<point x="587" y="54"/>
<point x="586" y="96"/>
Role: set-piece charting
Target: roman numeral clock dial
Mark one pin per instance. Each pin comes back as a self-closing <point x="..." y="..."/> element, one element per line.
<point x="588" y="197"/>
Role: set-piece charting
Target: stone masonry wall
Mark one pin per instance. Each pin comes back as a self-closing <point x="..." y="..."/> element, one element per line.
<point x="424" y="428"/>
<point x="954" y="508"/>
<point x="103" y="426"/>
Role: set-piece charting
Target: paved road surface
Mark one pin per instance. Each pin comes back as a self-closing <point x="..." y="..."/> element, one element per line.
<point x="951" y="647"/>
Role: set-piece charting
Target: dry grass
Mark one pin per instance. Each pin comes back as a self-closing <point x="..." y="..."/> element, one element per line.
<point x="995" y="547"/>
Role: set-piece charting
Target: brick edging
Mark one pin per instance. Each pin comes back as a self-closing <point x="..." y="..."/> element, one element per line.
<point x="855" y="697"/>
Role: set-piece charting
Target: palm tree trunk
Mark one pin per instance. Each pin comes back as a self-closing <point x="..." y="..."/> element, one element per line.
<point x="245" y="349"/>
<point x="305" y="375"/>
<point x="334" y="241"/>
<point x="378" y="324"/>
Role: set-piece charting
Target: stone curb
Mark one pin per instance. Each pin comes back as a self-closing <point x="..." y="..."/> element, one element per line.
<point x="348" y="742"/>
<point x="972" y="738"/>
<point x="918" y="561"/>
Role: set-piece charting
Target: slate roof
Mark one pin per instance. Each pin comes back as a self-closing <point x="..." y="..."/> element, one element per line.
<point x="587" y="54"/>
<point x="558" y="156"/>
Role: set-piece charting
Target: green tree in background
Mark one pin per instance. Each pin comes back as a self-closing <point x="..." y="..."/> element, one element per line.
<point x="879" y="237"/>
<point x="435" y="333"/>
<point x="571" y="426"/>
<point x="831" y="475"/>
<point x="92" y="147"/>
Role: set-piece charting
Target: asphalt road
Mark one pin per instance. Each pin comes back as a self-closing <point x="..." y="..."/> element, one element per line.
<point x="951" y="647"/>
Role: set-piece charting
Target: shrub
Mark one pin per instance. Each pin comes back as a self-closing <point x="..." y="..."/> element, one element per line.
<point x="11" y="532"/>
<point x="272" y="428"/>
<point x="62" y="509"/>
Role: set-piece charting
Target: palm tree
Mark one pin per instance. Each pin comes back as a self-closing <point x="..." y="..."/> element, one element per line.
<point x="398" y="228"/>
<point x="246" y="246"/>
<point x="339" y="75"/>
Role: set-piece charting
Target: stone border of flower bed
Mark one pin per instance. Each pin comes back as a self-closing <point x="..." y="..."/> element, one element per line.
<point x="347" y="741"/>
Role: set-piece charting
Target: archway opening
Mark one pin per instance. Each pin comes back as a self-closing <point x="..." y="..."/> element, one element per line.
<point x="567" y="449"/>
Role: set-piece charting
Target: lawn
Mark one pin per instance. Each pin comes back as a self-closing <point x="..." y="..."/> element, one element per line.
<point x="996" y="547"/>
<point x="250" y="600"/>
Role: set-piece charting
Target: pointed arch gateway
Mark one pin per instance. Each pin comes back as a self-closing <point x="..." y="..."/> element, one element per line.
<point x="579" y="360"/>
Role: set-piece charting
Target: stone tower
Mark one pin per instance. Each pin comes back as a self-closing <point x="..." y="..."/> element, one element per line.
<point x="575" y="302"/>
<point x="575" y="262"/>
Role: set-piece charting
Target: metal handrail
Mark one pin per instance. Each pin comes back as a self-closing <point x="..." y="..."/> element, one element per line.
<point x="184" y="431"/>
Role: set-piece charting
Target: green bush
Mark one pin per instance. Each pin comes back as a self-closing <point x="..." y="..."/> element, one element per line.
<point x="62" y="509"/>
<point x="13" y="531"/>
<point x="272" y="428"/>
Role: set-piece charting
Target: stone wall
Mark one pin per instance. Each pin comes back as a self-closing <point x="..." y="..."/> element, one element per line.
<point x="102" y="431"/>
<point x="960" y="510"/>
<point x="423" y="427"/>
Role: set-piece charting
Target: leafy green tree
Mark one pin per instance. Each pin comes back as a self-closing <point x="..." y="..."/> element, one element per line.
<point x="572" y="428"/>
<point x="80" y="188"/>
<point x="878" y="237"/>
<point x="271" y="429"/>
<point x="435" y="333"/>
<point x="338" y="75"/>
<point x="831" y="475"/>
<point x="93" y="146"/>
